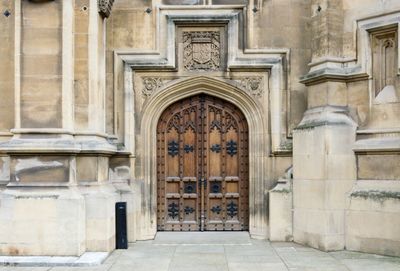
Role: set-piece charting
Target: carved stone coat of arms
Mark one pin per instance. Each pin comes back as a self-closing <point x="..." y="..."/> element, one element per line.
<point x="201" y="50"/>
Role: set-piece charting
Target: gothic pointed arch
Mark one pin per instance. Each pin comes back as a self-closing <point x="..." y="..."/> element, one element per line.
<point x="252" y="111"/>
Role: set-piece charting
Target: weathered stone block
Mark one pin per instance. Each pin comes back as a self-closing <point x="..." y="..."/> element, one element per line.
<point x="92" y="168"/>
<point x="40" y="169"/>
<point x="42" y="222"/>
<point x="378" y="166"/>
<point x="321" y="229"/>
<point x="42" y="41"/>
<point x="332" y="93"/>
<point x="4" y="168"/>
<point x="373" y="231"/>
<point x="385" y="115"/>
<point x="48" y="14"/>
<point x="280" y="213"/>
<point x="41" y="114"/>
<point x="120" y="168"/>
<point x="100" y="216"/>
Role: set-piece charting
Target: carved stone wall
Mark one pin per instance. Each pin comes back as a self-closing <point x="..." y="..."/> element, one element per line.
<point x="202" y="50"/>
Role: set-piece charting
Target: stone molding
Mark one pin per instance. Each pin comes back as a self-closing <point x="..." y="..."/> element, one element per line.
<point x="253" y="85"/>
<point x="251" y="108"/>
<point x="324" y="116"/>
<point x="239" y="57"/>
<point x="139" y="132"/>
<point x="383" y="144"/>
<point x="24" y="141"/>
<point x="332" y="74"/>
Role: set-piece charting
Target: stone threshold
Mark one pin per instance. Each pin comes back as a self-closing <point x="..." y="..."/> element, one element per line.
<point x="86" y="259"/>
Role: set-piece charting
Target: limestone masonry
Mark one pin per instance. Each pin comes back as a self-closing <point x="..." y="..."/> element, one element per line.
<point x="84" y="83"/>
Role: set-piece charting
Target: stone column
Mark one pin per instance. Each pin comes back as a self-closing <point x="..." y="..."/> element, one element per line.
<point x="94" y="157"/>
<point x="323" y="159"/>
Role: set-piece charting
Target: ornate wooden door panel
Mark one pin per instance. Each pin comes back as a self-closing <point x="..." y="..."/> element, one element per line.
<point x="202" y="166"/>
<point x="226" y="166"/>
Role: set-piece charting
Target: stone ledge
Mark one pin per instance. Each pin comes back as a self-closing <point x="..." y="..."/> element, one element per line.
<point x="379" y="195"/>
<point x="381" y="144"/>
<point x="328" y="115"/>
<point x="87" y="259"/>
<point x="332" y="74"/>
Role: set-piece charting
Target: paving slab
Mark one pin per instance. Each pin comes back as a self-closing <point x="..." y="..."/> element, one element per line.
<point x="227" y="251"/>
<point x="201" y="238"/>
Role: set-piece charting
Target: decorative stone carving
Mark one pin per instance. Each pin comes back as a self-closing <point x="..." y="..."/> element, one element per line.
<point x="151" y="84"/>
<point x="202" y="51"/>
<point x="253" y="84"/>
<point x="105" y="7"/>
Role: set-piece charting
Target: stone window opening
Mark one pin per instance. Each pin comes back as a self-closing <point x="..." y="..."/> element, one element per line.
<point x="384" y="45"/>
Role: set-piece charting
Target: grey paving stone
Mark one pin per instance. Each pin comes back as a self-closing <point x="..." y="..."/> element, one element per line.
<point x="203" y="267"/>
<point x="253" y="259"/>
<point x="358" y="255"/>
<point x="208" y="252"/>
<point x="248" y="250"/>
<point x="202" y="238"/>
<point x="195" y="259"/>
<point x="149" y="265"/>
<point x="371" y="265"/>
<point x="257" y="267"/>
<point x="185" y="249"/>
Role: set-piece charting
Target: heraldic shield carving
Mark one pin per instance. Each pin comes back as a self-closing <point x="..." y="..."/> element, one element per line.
<point x="202" y="50"/>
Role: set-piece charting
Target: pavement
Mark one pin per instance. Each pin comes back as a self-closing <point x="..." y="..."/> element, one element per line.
<point x="227" y="251"/>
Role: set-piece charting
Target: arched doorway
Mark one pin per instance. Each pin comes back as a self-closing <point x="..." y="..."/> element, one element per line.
<point x="202" y="166"/>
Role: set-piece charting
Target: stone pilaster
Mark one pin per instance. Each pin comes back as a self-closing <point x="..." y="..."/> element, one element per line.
<point x="93" y="159"/>
<point x="323" y="159"/>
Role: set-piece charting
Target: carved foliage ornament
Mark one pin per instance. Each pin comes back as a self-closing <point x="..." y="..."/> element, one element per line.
<point x="253" y="85"/>
<point x="202" y="51"/>
<point x="151" y="85"/>
<point x="105" y="7"/>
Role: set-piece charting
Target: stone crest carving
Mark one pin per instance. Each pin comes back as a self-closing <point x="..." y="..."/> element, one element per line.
<point x="202" y="51"/>
<point x="105" y="7"/>
<point x="151" y="85"/>
<point x="252" y="84"/>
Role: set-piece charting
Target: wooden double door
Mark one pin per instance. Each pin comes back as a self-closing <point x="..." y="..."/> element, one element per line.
<point x="202" y="166"/>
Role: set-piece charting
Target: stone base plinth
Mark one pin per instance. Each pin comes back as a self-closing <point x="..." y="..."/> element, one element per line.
<point x="373" y="218"/>
<point x="100" y="202"/>
<point x="42" y="221"/>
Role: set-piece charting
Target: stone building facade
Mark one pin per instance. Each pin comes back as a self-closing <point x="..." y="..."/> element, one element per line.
<point x="84" y="84"/>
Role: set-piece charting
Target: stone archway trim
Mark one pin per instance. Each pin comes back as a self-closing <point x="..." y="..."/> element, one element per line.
<point x="152" y="110"/>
